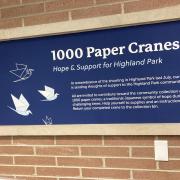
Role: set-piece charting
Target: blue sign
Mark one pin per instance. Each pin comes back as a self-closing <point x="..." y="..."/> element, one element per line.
<point x="120" y="75"/>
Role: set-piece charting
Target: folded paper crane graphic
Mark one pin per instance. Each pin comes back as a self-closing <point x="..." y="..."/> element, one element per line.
<point x="22" y="72"/>
<point x="21" y="105"/>
<point x="49" y="94"/>
<point x="47" y="121"/>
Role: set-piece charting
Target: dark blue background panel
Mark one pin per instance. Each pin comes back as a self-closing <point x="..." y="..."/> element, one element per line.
<point x="121" y="75"/>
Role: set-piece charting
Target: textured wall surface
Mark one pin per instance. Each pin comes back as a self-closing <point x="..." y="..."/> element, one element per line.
<point x="87" y="157"/>
<point x="82" y="157"/>
<point x="18" y="13"/>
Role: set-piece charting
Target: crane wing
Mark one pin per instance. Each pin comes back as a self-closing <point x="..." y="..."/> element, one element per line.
<point x="21" y="66"/>
<point x="19" y="104"/>
<point x="24" y="101"/>
<point x="50" y="90"/>
<point x="18" y="72"/>
<point x="44" y="93"/>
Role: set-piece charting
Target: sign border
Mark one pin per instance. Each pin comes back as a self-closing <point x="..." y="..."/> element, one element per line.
<point x="98" y="23"/>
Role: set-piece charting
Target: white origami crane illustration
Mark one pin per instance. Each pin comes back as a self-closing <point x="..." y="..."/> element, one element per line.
<point x="21" y="105"/>
<point x="47" y="121"/>
<point x="49" y="94"/>
<point x="22" y="72"/>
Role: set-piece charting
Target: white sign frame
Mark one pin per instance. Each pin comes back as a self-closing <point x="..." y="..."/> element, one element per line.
<point x="121" y="20"/>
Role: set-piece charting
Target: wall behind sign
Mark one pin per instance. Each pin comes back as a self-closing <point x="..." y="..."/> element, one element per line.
<point x="81" y="157"/>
